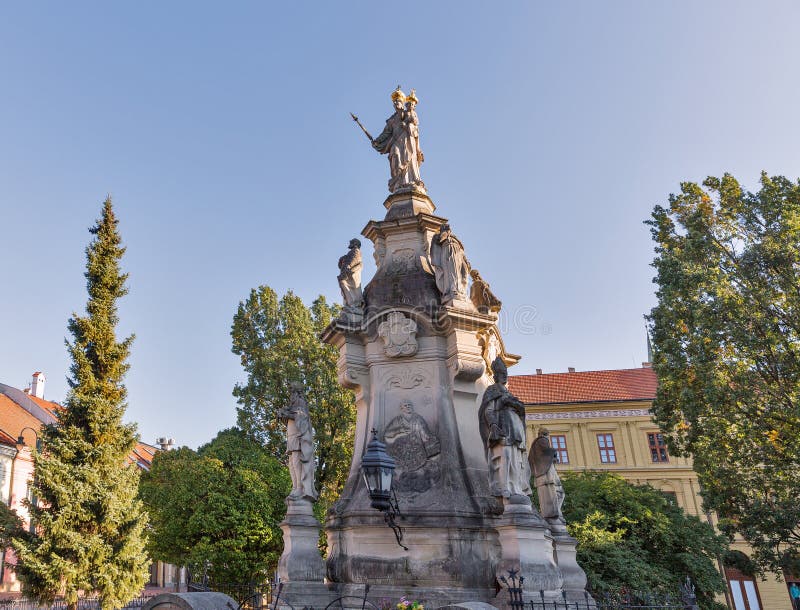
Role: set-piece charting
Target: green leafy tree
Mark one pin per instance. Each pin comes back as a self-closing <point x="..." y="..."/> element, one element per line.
<point x="726" y="338"/>
<point x="89" y="523"/>
<point x="278" y="342"/>
<point x="218" y="507"/>
<point x="633" y="537"/>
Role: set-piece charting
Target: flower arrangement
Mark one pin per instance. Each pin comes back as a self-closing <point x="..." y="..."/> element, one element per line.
<point x="405" y="604"/>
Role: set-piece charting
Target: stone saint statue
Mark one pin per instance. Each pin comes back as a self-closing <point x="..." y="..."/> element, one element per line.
<point x="350" y="276"/>
<point x="546" y="480"/>
<point x="502" y="426"/>
<point x="400" y="141"/>
<point x="449" y="264"/>
<point x="480" y="295"/>
<point x="411" y="443"/>
<point x="299" y="444"/>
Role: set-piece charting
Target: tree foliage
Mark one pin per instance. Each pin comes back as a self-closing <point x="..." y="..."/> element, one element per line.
<point x="633" y="537"/>
<point x="726" y="338"/>
<point x="278" y="342"/>
<point x="89" y="524"/>
<point x="221" y="504"/>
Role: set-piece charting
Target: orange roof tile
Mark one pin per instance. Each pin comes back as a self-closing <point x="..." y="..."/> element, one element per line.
<point x="7" y="439"/>
<point x="586" y="386"/>
<point x="47" y="405"/>
<point x="14" y="418"/>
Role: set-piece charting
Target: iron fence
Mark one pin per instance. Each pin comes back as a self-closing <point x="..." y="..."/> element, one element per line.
<point x="85" y="603"/>
<point x="267" y="596"/>
<point x="250" y="595"/>
<point x="623" y="600"/>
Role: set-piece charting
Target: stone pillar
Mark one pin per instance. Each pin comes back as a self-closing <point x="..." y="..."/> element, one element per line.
<point x="300" y="561"/>
<point x="565" y="555"/>
<point x="416" y="368"/>
<point x="527" y="547"/>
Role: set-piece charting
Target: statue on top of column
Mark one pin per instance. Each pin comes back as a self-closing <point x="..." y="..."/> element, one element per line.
<point x="299" y="444"/>
<point x="502" y="426"/>
<point x="481" y="296"/>
<point x="450" y="265"/>
<point x="400" y="141"/>
<point x="349" y="277"/>
<point x="545" y="478"/>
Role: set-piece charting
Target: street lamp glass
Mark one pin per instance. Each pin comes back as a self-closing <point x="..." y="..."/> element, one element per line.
<point x="378" y="468"/>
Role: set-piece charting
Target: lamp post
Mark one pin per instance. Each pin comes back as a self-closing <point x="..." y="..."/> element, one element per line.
<point x="377" y="466"/>
<point x="20" y="444"/>
<point x="21" y="438"/>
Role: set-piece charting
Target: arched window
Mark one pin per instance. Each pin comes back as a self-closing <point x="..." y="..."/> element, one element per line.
<point x="741" y="582"/>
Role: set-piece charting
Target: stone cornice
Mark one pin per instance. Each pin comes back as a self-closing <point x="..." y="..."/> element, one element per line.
<point x="593" y="414"/>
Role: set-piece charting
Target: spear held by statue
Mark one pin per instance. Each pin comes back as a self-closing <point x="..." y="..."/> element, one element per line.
<point x="355" y="118"/>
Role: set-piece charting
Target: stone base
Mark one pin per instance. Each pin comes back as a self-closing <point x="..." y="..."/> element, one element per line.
<point x="300" y="595"/>
<point x="300" y="561"/>
<point x="527" y="546"/>
<point x="191" y="601"/>
<point x="573" y="574"/>
<point x="408" y="203"/>
<point x="442" y="552"/>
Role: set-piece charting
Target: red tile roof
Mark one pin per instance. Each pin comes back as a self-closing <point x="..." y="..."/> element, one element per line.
<point x="586" y="386"/>
<point x="142" y="455"/>
<point x="7" y="439"/>
<point x="14" y="418"/>
<point x="52" y="407"/>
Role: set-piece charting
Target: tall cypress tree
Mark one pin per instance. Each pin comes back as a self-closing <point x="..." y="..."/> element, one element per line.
<point x="89" y="524"/>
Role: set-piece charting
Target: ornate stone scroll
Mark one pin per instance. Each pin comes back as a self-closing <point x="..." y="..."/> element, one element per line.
<point x="399" y="335"/>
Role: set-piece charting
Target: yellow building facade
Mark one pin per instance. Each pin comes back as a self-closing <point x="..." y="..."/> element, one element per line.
<point x="601" y="420"/>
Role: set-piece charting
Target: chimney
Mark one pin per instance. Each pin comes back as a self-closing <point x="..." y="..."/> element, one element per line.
<point x="37" y="385"/>
<point x="165" y="443"/>
<point x="571" y="369"/>
<point x="538" y="371"/>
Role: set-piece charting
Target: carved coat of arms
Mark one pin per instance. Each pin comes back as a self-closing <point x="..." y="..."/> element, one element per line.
<point x="399" y="335"/>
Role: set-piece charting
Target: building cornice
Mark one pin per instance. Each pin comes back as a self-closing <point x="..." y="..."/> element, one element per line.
<point x="592" y="414"/>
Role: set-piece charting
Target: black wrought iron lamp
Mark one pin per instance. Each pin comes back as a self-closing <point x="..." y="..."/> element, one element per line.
<point x="21" y="438"/>
<point x="377" y="466"/>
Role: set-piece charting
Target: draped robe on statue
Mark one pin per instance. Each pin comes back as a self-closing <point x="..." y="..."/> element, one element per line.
<point x="400" y="141"/>
<point x="503" y="432"/>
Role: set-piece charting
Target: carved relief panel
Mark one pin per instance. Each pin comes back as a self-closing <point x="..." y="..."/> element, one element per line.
<point x="399" y="335"/>
<point x="411" y="434"/>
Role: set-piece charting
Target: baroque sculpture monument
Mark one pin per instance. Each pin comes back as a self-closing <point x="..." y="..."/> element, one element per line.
<point x="423" y="353"/>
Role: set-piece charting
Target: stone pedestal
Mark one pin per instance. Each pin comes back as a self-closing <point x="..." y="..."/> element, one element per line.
<point x="565" y="554"/>
<point x="209" y="600"/>
<point x="300" y="561"/>
<point x="527" y="546"/>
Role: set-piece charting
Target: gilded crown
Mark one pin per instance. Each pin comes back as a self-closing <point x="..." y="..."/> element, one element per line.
<point x="412" y="97"/>
<point x="398" y="94"/>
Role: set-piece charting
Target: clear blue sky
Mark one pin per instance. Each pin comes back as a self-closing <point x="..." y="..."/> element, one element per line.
<point x="222" y="132"/>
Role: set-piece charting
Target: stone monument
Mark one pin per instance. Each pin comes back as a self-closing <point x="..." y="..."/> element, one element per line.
<point x="350" y="281"/>
<point x="300" y="561"/>
<point x="418" y="357"/>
